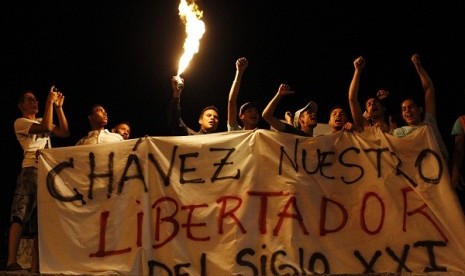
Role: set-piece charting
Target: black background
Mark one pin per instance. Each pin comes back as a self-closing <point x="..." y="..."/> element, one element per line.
<point x="122" y="54"/>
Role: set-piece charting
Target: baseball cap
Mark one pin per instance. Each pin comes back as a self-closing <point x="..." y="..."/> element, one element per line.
<point x="312" y="106"/>
<point x="246" y="106"/>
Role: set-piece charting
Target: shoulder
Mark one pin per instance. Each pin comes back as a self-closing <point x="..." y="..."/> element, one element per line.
<point x="84" y="140"/>
<point x="402" y="131"/>
<point x="293" y="130"/>
<point x="81" y="141"/>
<point x="116" y="136"/>
<point x="233" y="127"/>
<point x="23" y="121"/>
<point x="457" y="128"/>
<point x="429" y="119"/>
<point x="22" y="125"/>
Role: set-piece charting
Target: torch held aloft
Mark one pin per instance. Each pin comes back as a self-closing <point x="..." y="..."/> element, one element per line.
<point x="179" y="82"/>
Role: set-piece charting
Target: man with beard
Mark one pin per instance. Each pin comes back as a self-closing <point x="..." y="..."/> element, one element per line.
<point x="373" y="107"/>
<point x="208" y="119"/>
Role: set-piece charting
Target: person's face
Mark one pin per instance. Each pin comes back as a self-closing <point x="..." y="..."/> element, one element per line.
<point x="209" y="120"/>
<point x="29" y="105"/>
<point x="308" y="118"/>
<point x="374" y="108"/>
<point x="99" y="116"/>
<point x="337" y="119"/>
<point x="124" y="130"/>
<point x="411" y="113"/>
<point x="250" y="117"/>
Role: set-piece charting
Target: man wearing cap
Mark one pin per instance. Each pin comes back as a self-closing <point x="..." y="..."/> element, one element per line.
<point x="248" y="113"/>
<point x="305" y="119"/>
<point x="249" y="116"/>
<point x="208" y="118"/>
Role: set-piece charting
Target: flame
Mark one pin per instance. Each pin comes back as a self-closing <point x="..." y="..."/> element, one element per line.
<point x="195" y="28"/>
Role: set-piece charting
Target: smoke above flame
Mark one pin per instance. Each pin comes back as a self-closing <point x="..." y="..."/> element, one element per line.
<point x="191" y="16"/>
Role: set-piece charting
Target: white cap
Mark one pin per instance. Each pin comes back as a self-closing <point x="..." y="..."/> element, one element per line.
<point x="311" y="106"/>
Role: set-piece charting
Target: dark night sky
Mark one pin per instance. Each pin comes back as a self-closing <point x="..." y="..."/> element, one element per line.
<point x="122" y="54"/>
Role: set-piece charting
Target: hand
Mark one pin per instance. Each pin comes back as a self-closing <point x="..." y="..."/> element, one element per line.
<point x="285" y="89"/>
<point x="416" y="59"/>
<point x="59" y="100"/>
<point x="348" y="126"/>
<point x="359" y="63"/>
<point x="382" y="94"/>
<point x="383" y="126"/>
<point x="288" y="117"/>
<point x="241" y="64"/>
<point x="52" y="95"/>
<point x="176" y="82"/>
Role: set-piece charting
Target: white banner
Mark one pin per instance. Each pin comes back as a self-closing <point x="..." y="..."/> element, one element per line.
<point x="250" y="203"/>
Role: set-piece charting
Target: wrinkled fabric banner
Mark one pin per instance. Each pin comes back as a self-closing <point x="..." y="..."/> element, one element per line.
<point x="250" y="203"/>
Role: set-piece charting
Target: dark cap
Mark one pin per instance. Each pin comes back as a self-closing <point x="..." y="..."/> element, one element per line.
<point x="246" y="106"/>
<point x="311" y="106"/>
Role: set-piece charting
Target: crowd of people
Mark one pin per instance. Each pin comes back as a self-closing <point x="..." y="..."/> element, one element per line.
<point x="34" y="133"/>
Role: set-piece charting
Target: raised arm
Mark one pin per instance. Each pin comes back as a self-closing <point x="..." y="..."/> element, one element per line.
<point x="174" y="109"/>
<point x="355" y="108"/>
<point x="427" y="84"/>
<point x="62" y="130"/>
<point x="46" y="125"/>
<point x="241" y="65"/>
<point x="268" y="112"/>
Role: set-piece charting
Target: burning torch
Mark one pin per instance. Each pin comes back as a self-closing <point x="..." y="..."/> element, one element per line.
<point x="191" y="16"/>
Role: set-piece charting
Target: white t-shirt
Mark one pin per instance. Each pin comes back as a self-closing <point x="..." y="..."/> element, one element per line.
<point x="99" y="137"/>
<point x="234" y="128"/>
<point x="431" y="121"/>
<point x="30" y="142"/>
